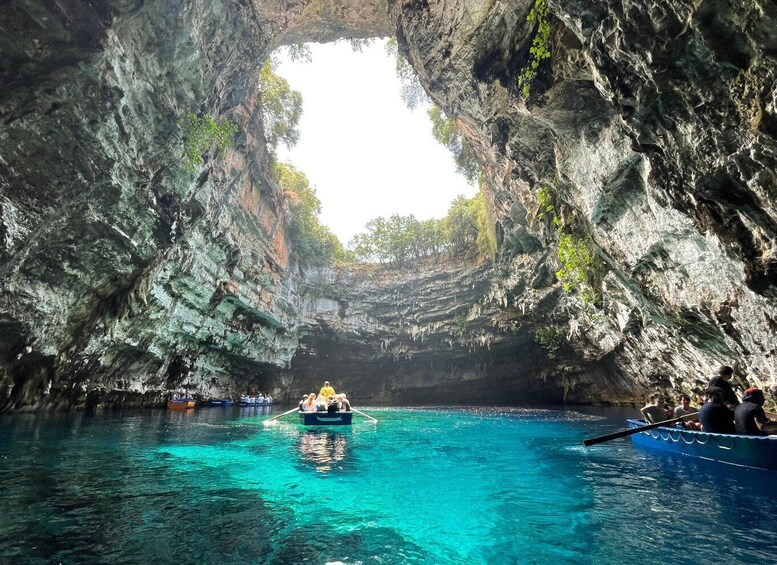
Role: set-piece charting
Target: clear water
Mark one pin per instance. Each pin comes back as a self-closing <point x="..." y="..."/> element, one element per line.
<point x="420" y="486"/>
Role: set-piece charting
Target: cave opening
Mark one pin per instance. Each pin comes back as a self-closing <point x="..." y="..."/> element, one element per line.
<point x="366" y="152"/>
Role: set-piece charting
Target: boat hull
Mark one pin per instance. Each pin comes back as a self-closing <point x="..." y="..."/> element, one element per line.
<point x="220" y="403"/>
<point x="757" y="452"/>
<point x="181" y="403"/>
<point x="325" y="418"/>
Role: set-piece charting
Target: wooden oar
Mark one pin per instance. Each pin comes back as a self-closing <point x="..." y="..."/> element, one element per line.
<point x="624" y="433"/>
<point x="280" y="415"/>
<point x="363" y="414"/>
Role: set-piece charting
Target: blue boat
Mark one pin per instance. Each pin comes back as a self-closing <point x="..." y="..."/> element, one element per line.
<point x="220" y="402"/>
<point x="254" y="401"/>
<point x="757" y="452"/>
<point x="325" y="418"/>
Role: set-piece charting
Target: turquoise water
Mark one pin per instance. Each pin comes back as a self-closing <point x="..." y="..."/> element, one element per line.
<point x="420" y="486"/>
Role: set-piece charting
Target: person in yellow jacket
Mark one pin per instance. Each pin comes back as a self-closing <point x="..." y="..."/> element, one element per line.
<point x="326" y="390"/>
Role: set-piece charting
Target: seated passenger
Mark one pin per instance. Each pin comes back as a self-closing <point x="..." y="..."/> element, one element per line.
<point x="685" y="409"/>
<point x="310" y="404"/>
<point x="321" y="402"/>
<point x="715" y="417"/>
<point x="750" y="418"/>
<point x="654" y="411"/>
<point x="345" y="405"/>
<point x="331" y="404"/>
<point x="301" y="402"/>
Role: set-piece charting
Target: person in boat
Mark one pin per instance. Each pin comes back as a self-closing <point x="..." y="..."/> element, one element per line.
<point x="685" y="409"/>
<point x="715" y="416"/>
<point x="310" y="403"/>
<point x="721" y="381"/>
<point x="301" y="402"/>
<point x="326" y="390"/>
<point x="654" y="410"/>
<point x="331" y="404"/>
<point x="750" y="418"/>
<point x="345" y="405"/>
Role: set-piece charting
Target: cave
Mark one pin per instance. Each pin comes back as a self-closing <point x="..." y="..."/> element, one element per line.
<point x="653" y="139"/>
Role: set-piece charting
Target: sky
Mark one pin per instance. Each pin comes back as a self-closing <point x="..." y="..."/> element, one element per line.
<point x="364" y="151"/>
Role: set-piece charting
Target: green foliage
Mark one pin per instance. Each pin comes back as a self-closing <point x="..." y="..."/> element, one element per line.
<point x="550" y="339"/>
<point x="401" y="239"/>
<point x="545" y="199"/>
<point x="312" y="242"/>
<point x="574" y="253"/>
<point x="540" y="47"/>
<point x="200" y="133"/>
<point x="358" y="45"/>
<point x="461" y="223"/>
<point x="410" y="89"/>
<point x="577" y="263"/>
<point x="299" y="52"/>
<point x="281" y="108"/>
<point x="398" y="239"/>
<point x="486" y="239"/>
<point x="445" y="131"/>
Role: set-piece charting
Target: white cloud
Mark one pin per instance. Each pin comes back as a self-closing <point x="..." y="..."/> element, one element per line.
<point x="363" y="150"/>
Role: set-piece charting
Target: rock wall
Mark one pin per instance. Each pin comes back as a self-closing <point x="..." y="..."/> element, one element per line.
<point x="653" y="123"/>
<point x="125" y="276"/>
<point x="442" y="332"/>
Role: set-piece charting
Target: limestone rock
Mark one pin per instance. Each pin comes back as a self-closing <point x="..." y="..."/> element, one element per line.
<point x="654" y="124"/>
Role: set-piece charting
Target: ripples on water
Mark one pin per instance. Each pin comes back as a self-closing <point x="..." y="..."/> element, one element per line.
<point x="421" y="486"/>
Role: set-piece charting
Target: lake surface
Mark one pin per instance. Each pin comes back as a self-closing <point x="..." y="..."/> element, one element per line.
<point x="420" y="486"/>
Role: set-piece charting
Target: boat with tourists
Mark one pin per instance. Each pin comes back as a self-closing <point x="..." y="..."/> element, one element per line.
<point x="180" y="403"/>
<point x="322" y="418"/>
<point x="256" y="401"/>
<point x="758" y="452"/>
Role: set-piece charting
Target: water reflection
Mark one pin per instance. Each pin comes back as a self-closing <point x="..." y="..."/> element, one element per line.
<point x="324" y="449"/>
<point x="246" y="411"/>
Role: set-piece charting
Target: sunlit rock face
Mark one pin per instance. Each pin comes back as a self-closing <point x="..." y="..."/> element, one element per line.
<point x="654" y="123"/>
<point x="126" y="277"/>
<point x="115" y="258"/>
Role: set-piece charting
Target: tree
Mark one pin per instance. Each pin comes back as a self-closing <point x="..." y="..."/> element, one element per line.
<point x="312" y="241"/>
<point x="461" y="223"/>
<point x="281" y="108"/>
<point x="402" y="239"/>
<point x="410" y="89"/>
<point x="445" y="130"/>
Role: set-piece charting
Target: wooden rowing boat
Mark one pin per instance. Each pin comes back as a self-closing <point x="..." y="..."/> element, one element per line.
<point x="180" y="403"/>
<point x="325" y="418"/>
<point x="757" y="452"/>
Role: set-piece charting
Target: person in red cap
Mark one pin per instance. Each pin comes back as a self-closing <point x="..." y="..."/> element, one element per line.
<point x="750" y="418"/>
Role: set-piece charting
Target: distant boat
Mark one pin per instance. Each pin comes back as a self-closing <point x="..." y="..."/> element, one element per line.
<point x="322" y="418"/>
<point x="758" y="452"/>
<point x="220" y="402"/>
<point x="255" y="401"/>
<point x="180" y="403"/>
